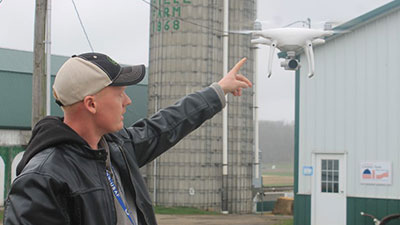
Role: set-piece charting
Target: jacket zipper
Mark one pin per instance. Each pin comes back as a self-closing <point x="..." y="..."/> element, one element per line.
<point x="130" y="178"/>
<point x="112" y="206"/>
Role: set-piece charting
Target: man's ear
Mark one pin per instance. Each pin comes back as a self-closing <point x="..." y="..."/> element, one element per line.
<point x="90" y="104"/>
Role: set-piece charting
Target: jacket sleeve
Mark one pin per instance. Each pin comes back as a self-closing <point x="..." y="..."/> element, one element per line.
<point x="151" y="137"/>
<point x="33" y="201"/>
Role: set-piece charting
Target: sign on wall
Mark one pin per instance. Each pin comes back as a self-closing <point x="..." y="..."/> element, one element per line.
<point x="376" y="172"/>
<point x="308" y="170"/>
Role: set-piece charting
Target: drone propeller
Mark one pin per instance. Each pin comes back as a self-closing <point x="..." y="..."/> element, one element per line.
<point x="331" y="25"/>
<point x="327" y="24"/>
<point x="264" y="21"/>
<point x="241" y="31"/>
<point x="257" y="32"/>
<point x="261" y="40"/>
<point x="259" y="24"/>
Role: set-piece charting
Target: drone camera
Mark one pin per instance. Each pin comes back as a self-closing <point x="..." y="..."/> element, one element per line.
<point x="290" y="64"/>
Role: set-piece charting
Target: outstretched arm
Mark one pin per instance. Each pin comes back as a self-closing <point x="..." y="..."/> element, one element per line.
<point x="151" y="137"/>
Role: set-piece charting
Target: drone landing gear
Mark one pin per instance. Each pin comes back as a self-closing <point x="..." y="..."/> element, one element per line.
<point x="271" y="54"/>
<point x="310" y="57"/>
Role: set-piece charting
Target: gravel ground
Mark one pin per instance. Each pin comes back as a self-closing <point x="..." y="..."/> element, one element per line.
<point x="246" y="219"/>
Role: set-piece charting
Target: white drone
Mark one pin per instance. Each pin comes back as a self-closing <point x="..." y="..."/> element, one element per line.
<point x="292" y="41"/>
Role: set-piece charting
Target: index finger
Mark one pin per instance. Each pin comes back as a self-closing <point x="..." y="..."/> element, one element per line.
<point x="240" y="77"/>
<point x="236" y="68"/>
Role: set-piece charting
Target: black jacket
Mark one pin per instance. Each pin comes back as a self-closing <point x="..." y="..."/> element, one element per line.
<point x="63" y="181"/>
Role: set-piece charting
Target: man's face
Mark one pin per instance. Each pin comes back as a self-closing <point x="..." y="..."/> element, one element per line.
<point x="111" y="103"/>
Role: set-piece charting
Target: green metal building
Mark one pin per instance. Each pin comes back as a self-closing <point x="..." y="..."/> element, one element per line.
<point x="16" y="102"/>
<point x="347" y="156"/>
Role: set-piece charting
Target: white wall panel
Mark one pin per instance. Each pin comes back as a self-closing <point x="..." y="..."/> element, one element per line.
<point x="14" y="137"/>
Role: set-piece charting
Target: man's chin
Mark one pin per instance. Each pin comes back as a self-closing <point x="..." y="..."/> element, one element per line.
<point x="117" y="128"/>
<point x="121" y="126"/>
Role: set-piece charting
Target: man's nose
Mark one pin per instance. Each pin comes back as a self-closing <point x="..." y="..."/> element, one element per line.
<point x="128" y="100"/>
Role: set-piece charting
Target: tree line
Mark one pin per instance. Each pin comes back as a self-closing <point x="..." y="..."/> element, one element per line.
<point x="276" y="141"/>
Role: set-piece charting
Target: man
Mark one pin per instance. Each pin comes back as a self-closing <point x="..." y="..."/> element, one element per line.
<point x="84" y="168"/>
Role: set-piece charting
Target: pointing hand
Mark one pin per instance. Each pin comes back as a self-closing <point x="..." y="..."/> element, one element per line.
<point x="234" y="82"/>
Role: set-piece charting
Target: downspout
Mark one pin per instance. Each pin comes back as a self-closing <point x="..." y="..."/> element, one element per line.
<point x="48" y="61"/>
<point x="224" y="203"/>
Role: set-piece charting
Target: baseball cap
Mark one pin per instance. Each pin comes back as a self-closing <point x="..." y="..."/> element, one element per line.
<point x="89" y="73"/>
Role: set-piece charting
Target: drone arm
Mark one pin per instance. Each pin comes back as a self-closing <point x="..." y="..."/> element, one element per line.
<point x="257" y="33"/>
<point x="318" y="41"/>
<point x="261" y="41"/>
<point x="310" y="57"/>
<point x="271" y="55"/>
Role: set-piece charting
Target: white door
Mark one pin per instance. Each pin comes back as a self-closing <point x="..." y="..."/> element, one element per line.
<point x="329" y="190"/>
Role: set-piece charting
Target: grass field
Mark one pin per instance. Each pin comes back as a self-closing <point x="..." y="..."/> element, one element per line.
<point x="283" y="168"/>
<point x="182" y="211"/>
<point x="277" y="174"/>
<point x="287" y="222"/>
<point x="1" y="216"/>
<point x="277" y="181"/>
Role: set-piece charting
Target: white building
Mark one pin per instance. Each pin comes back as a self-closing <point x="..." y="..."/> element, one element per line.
<point x="347" y="149"/>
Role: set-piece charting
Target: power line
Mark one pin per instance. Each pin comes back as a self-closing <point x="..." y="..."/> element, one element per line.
<point x="153" y="6"/>
<point x="83" y="27"/>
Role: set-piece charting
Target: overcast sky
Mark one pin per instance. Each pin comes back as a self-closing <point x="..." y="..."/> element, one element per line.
<point x="120" y="28"/>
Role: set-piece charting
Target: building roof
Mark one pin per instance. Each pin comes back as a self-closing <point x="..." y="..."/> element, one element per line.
<point x="12" y="60"/>
<point x="359" y="21"/>
<point x="366" y="18"/>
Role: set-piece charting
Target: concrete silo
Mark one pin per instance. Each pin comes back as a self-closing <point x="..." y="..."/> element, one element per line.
<point x="186" y="54"/>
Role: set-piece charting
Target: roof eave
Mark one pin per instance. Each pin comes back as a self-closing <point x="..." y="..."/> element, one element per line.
<point x="364" y="19"/>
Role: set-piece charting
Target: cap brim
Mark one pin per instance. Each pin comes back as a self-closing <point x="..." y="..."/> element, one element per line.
<point x="129" y="75"/>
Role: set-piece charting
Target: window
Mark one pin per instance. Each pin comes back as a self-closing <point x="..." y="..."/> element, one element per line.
<point x="330" y="176"/>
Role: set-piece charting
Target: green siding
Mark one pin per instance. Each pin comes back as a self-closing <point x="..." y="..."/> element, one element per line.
<point x="296" y="132"/>
<point x="265" y="206"/>
<point x="8" y="154"/>
<point x="138" y="108"/>
<point x="16" y="103"/>
<point x="302" y="210"/>
<point x="377" y="207"/>
<point x="302" y="213"/>
<point x="17" y="114"/>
